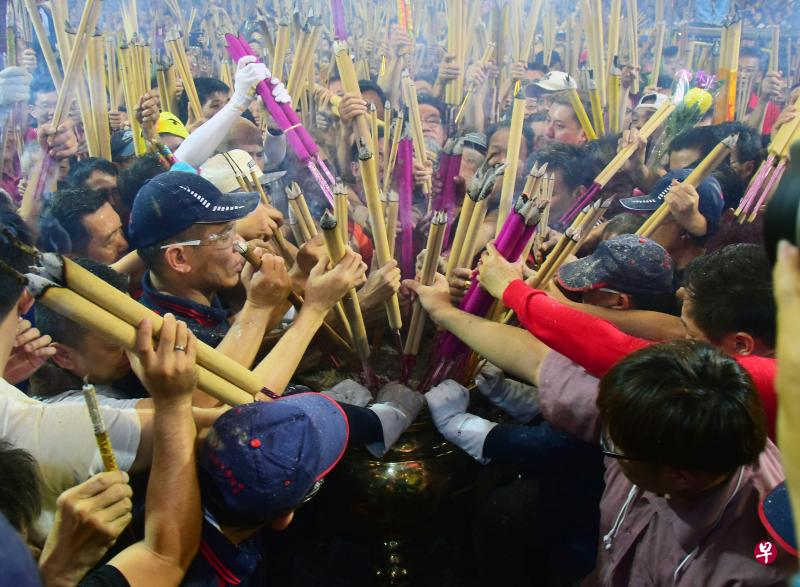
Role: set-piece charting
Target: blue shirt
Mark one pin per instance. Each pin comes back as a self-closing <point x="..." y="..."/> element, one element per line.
<point x="220" y="563"/>
<point x="209" y="323"/>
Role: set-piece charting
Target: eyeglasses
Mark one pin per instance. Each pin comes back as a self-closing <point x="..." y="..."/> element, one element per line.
<point x="312" y="492"/>
<point x="609" y="450"/>
<point x="432" y="120"/>
<point x="219" y="240"/>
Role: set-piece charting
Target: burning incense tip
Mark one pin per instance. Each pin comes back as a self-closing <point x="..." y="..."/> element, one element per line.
<point x="328" y="221"/>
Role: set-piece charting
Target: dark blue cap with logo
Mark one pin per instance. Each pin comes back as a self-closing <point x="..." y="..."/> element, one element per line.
<point x="261" y="459"/>
<point x="627" y="263"/>
<point x="173" y="201"/>
<point x="775" y="511"/>
<point x="711" y="204"/>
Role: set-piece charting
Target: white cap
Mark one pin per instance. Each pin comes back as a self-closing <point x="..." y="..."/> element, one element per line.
<point x="651" y="101"/>
<point x="557" y="81"/>
<point x="221" y="170"/>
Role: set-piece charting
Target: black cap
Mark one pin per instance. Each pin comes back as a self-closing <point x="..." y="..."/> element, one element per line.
<point x="173" y="201"/>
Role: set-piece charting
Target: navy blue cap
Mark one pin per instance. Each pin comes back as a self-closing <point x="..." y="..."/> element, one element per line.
<point x="19" y="568"/>
<point x="173" y="201"/>
<point x="122" y="145"/>
<point x="775" y="511"/>
<point x="627" y="263"/>
<point x="261" y="459"/>
<point x="711" y="204"/>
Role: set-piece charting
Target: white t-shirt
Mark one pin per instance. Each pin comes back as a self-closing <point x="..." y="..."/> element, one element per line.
<point x="61" y="439"/>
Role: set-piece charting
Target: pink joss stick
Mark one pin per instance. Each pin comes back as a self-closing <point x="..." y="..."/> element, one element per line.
<point x="339" y="30"/>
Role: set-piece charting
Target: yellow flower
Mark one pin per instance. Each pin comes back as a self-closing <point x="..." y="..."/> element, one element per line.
<point x="700" y="98"/>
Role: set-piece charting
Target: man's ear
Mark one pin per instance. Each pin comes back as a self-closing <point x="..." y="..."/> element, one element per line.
<point x="25" y="302"/>
<point x="739" y="343"/>
<point x="623" y="302"/>
<point x="175" y="259"/>
<point x="65" y="357"/>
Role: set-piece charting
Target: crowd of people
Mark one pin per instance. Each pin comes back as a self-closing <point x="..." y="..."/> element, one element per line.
<point x="635" y="379"/>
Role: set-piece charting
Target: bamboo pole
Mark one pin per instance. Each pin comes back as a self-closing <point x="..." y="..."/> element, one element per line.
<point x="658" y="51"/>
<point x="633" y="27"/>
<point x="44" y="43"/>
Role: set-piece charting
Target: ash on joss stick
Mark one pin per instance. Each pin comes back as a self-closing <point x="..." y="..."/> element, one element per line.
<point x="99" y="427"/>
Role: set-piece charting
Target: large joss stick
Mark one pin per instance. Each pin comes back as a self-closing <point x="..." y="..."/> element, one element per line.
<point x="91" y="316"/>
<point x="44" y="42"/>
<point x="337" y="15"/>
<point x="695" y="178"/>
<point x="778" y="149"/>
<point x="99" y="427"/>
<point x="619" y="160"/>
<point x="533" y="19"/>
<point x="479" y="189"/>
<point x="366" y="162"/>
<point x="433" y="250"/>
<point x="512" y="240"/>
<point x="512" y="159"/>
<point x="287" y="120"/>
<point x="65" y="272"/>
<point x="181" y="61"/>
<point x="571" y="241"/>
<point x="336" y="250"/>
<point x="415" y="123"/>
<point x="341" y="210"/>
<point x="658" y="51"/>
<point x="633" y="38"/>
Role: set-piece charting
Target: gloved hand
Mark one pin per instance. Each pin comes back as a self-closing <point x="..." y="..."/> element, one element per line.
<point x="397" y="407"/>
<point x="448" y="404"/>
<point x="15" y="85"/>
<point x="248" y="74"/>
<point x="279" y="91"/>
<point x="518" y="400"/>
<point x="349" y="392"/>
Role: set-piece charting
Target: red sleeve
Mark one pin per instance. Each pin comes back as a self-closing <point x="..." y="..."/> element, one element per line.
<point x="596" y="344"/>
<point x="591" y="342"/>
<point x="762" y="370"/>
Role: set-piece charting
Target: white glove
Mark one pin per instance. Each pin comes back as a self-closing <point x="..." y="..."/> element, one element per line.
<point x="279" y="92"/>
<point x="349" y="392"/>
<point x="397" y="407"/>
<point x="518" y="400"/>
<point x="248" y="74"/>
<point x="447" y="403"/>
<point x="15" y="85"/>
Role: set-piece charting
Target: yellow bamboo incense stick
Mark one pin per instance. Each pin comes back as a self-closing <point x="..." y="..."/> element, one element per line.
<point x="428" y="274"/>
<point x="392" y="214"/>
<point x="658" y="51"/>
<point x="633" y="27"/>
<point x="99" y="427"/>
<point x="415" y="123"/>
<point x="533" y="20"/>
<point x="580" y="112"/>
<point x="341" y="207"/>
<point x="464" y="218"/>
<point x="613" y="31"/>
<point x="336" y="250"/>
<point x="695" y="178"/>
<point x="44" y="42"/>
<point x="392" y="160"/>
<point x="369" y="177"/>
<point x="512" y="159"/>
